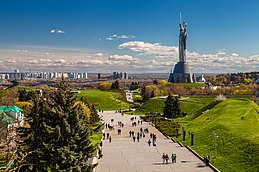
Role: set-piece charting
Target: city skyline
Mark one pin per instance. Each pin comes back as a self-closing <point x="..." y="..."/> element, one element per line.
<point x="131" y="36"/>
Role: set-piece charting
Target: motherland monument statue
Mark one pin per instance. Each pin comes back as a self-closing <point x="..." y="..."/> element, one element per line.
<point x="182" y="72"/>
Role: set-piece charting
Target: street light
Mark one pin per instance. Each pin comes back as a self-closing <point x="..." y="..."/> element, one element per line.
<point x="215" y="145"/>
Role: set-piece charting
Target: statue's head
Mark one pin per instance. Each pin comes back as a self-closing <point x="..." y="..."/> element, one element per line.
<point x="185" y="24"/>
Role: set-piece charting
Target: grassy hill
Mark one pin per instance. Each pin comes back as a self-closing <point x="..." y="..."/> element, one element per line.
<point x="6" y="92"/>
<point x="105" y="100"/>
<point x="236" y="122"/>
<point x="188" y="105"/>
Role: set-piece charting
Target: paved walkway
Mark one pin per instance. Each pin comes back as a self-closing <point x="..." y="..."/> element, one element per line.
<point x="124" y="155"/>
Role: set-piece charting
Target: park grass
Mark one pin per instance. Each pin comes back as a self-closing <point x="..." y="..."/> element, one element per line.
<point x="104" y="100"/>
<point x="190" y="105"/>
<point x="152" y="105"/>
<point x="27" y="88"/>
<point x="190" y="85"/>
<point x="5" y="92"/>
<point x="236" y="122"/>
<point x="97" y="135"/>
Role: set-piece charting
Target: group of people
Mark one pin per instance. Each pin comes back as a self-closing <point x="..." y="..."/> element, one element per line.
<point x="153" y="138"/>
<point x="165" y="158"/>
<point x="109" y="126"/>
<point x="108" y="137"/>
<point x="120" y="124"/>
<point x="141" y="134"/>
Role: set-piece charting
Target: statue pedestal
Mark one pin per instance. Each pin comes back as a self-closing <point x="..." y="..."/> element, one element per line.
<point x="181" y="74"/>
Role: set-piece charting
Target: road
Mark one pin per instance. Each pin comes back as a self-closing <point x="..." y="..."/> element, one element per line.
<point x="124" y="155"/>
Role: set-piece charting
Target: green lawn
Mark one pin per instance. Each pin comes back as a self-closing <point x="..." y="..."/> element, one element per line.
<point x="188" y="105"/>
<point x="97" y="136"/>
<point x="152" y="105"/>
<point x="190" y="85"/>
<point x="236" y="122"/>
<point x="21" y="88"/>
<point x="5" y="92"/>
<point x="105" y="100"/>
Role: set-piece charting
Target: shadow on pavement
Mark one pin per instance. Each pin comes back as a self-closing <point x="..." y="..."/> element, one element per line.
<point x="160" y="163"/>
<point x="201" y="165"/>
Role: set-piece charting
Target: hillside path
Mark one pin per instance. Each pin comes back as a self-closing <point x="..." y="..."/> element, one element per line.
<point x="124" y="155"/>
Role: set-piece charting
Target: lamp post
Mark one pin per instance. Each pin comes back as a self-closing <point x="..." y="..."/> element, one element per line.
<point x="215" y="144"/>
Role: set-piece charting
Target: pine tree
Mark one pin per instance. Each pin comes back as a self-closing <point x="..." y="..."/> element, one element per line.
<point x="22" y="95"/>
<point x="59" y="135"/>
<point x="29" y="153"/>
<point x="115" y="85"/>
<point x="155" y="82"/>
<point x="94" y="117"/>
<point x="145" y="95"/>
<point x="172" y="107"/>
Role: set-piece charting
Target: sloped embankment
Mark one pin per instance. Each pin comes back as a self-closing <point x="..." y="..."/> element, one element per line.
<point x="236" y="122"/>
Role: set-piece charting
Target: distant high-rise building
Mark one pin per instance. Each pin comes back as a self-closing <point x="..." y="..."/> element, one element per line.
<point x="84" y="75"/>
<point x="119" y="75"/>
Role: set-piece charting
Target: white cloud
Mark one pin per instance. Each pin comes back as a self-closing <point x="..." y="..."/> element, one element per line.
<point x="40" y="61"/>
<point x="117" y="63"/>
<point x="221" y="52"/>
<point x="60" y="31"/>
<point x="60" y="61"/>
<point x="99" y="54"/>
<point x="90" y="62"/>
<point x="168" y="55"/>
<point x="235" y="54"/>
<point x="152" y="57"/>
<point x="155" y="49"/>
<point x="117" y="37"/>
<point x="57" y="31"/>
<point x="11" y="61"/>
<point x="121" y="57"/>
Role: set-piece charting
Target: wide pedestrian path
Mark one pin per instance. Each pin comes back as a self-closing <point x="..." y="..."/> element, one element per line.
<point x="124" y="155"/>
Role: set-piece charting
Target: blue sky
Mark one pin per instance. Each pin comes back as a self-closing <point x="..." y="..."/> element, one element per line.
<point x="124" y="35"/>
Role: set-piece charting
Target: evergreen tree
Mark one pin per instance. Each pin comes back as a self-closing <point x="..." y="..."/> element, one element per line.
<point x="94" y="117"/>
<point x="155" y="82"/>
<point x="59" y="135"/>
<point x="145" y="95"/>
<point x="115" y="85"/>
<point x="22" y="97"/>
<point x="172" y="107"/>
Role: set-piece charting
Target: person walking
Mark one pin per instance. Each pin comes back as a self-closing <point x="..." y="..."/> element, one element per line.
<point x="163" y="158"/>
<point x="110" y="139"/>
<point x="173" y="158"/>
<point x="166" y="158"/>
<point x="134" y="138"/>
<point x="149" y="142"/>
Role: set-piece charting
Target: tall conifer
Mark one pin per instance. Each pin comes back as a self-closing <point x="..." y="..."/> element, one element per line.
<point x="172" y="107"/>
<point x="58" y="138"/>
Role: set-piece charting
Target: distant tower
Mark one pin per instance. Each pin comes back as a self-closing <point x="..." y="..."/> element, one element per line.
<point x="181" y="72"/>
